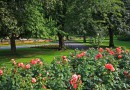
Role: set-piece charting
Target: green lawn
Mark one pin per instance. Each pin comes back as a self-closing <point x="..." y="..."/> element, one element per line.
<point x="125" y="44"/>
<point x="25" y="55"/>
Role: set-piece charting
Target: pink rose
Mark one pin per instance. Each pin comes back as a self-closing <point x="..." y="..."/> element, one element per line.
<point x="119" y="56"/>
<point x="40" y="62"/>
<point x="27" y="66"/>
<point x="33" y="62"/>
<point x="21" y="65"/>
<point x="1" y="72"/>
<point x="33" y="80"/>
<point x="101" y="50"/>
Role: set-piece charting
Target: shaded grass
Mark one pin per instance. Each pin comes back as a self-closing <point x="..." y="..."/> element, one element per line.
<point x="125" y="44"/>
<point x="25" y="55"/>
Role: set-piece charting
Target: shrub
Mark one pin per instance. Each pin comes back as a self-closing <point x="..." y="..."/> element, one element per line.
<point x="94" y="69"/>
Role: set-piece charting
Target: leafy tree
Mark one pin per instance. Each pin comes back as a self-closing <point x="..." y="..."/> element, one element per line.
<point x="8" y="22"/>
<point x="22" y="19"/>
<point x="98" y="17"/>
<point x="57" y="10"/>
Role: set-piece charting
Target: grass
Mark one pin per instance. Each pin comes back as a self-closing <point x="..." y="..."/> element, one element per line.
<point x="25" y="55"/>
<point x="125" y="44"/>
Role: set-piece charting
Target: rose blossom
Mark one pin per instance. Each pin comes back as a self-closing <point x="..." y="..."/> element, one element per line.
<point x="1" y="72"/>
<point x="111" y="52"/>
<point x="75" y="81"/>
<point x="21" y="65"/>
<point x="63" y="57"/>
<point x="33" y="62"/>
<point x="101" y="50"/>
<point x="109" y="67"/>
<point x="118" y="50"/>
<point x="33" y="80"/>
<point x="119" y="56"/>
<point x="27" y="66"/>
<point x="98" y="56"/>
<point x="40" y="62"/>
<point x="83" y="54"/>
<point x="79" y="56"/>
<point x="125" y="73"/>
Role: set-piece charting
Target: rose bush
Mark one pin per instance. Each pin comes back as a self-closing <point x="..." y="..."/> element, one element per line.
<point x="94" y="69"/>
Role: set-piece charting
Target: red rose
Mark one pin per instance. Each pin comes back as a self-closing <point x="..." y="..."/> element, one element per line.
<point x="108" y="49"/>
<point x="98" y="56"/>
<point x="83" y="54"/>
<point x="79" y="56"/>
<point x="1" y="72"/>
<point x="33" y="62"/>
<point x="125" y="72"/>
<point x="118" y="50"/>
<point x="111" y="52"/>
<point x="75" y="86"/>
<point x="63" y="57"/>
<point x="101" y="50"/>
<point x="37" y="60"/>
<point x="110" y="67"/>
<point x="119" y="56"/>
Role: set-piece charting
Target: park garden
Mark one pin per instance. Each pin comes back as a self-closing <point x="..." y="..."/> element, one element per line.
<point x="64" y="45"/>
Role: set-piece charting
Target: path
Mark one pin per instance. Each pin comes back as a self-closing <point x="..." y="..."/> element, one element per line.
<point x="76" y="45"/>
<point x="70" y="44"/>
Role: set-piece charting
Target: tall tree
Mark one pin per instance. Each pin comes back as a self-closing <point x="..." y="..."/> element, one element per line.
<point x="57" y="10"/>
<point x="21" y="19"/>
<point x="111" y="16"/>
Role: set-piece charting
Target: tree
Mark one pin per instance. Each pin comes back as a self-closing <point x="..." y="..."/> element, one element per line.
<point x="21" y="19"/>
<point x="8" y="22"/>
<point x="57" y="10"/>
<point x="111" y="13"/>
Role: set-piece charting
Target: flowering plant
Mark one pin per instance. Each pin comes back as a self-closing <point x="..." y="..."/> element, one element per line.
<point x="94" y="69"/>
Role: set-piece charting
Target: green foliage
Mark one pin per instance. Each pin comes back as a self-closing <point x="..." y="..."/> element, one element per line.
<point x="8" y="20"/>
<point x="98" y="69"/>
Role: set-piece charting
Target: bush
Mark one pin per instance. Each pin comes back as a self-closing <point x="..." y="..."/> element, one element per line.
<point x="95" y="69"/>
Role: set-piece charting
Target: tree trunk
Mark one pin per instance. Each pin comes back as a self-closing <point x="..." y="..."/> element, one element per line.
<point x="61" y="41"/>
<point x="67" y="37"/>
<point x="1" y="40"/>
<point x="111" y="42"/>
<point x="84" y="38"/>
<point x="13" y="44"/>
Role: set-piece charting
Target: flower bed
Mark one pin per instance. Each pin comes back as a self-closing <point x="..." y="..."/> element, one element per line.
<point x="95" y="69"/>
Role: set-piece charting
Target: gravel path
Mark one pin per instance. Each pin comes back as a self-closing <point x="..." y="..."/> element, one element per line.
<point x="70" y="44"/>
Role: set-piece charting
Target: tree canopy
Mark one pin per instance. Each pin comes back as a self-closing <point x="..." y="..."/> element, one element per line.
<point x="37" y="18"/>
